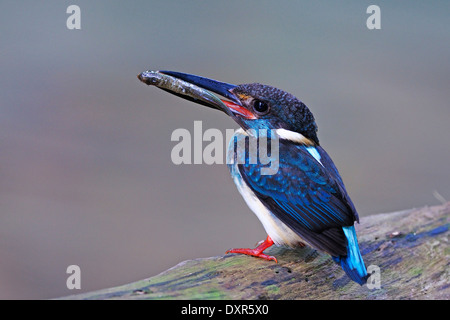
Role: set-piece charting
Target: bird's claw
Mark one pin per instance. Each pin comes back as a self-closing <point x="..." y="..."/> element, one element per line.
<point x="252" y="252"/>
<point x="258" y="251"/>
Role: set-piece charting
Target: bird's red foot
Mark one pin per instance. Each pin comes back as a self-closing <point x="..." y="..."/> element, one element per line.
<point x="258" y="251"/>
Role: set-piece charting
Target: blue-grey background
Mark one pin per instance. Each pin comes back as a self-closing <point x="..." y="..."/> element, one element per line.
<point x="86" y="176"/>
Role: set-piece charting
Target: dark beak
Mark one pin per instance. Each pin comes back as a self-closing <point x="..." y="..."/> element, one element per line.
<point x="197" y="89"/>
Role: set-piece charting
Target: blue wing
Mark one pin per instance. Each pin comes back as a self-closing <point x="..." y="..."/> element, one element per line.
<point x="307" y="194"/>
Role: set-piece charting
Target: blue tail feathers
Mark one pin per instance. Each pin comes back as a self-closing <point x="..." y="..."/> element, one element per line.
<point x="352" y="263"/>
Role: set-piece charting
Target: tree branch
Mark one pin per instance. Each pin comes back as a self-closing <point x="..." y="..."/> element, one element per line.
<point x="408" y="251"/>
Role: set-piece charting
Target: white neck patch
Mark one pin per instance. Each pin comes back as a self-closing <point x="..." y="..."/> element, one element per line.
<point x="293" y="136"/>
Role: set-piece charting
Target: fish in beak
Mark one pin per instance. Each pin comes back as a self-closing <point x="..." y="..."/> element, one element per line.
<point x="198" y="89"/>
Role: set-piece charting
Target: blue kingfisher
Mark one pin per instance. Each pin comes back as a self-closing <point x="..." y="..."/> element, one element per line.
<point x="305" y="200"/>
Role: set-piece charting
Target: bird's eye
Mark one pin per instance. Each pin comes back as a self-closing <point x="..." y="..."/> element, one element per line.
<point x="260" y="107"/>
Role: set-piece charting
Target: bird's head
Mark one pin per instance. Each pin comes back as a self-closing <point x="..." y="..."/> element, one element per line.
<point x="252" y="106"/>
<point x="271" y="108"/>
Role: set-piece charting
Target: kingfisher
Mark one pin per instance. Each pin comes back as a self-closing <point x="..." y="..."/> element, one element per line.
<point x="305" y="200"/>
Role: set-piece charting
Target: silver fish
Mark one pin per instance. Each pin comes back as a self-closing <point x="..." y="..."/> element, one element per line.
<point x="182" y="88"/>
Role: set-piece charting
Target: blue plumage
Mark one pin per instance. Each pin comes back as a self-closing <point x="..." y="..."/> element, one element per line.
<point x="307" y="195"/>
<point x="352" y="263"/>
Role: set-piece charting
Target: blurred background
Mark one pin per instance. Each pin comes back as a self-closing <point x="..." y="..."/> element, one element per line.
<point x="86" y="176"/>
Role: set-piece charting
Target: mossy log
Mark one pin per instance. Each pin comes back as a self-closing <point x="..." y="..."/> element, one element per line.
<point x="409" y="253"/>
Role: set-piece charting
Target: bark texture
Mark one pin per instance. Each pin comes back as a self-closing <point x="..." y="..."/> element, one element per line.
<point x="408" y="253"/>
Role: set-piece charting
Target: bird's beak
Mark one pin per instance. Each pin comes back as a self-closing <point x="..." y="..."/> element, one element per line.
<point x="199" y="90"/>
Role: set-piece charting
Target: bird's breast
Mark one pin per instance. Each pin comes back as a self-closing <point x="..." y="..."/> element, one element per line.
<point x="280" y="233"/>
